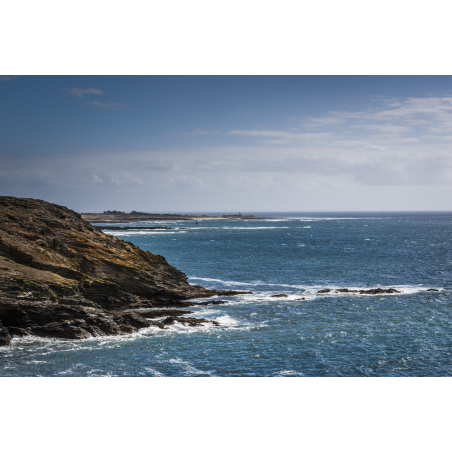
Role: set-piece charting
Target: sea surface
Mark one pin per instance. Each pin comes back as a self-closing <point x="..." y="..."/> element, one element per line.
<point x="304" y="334"/>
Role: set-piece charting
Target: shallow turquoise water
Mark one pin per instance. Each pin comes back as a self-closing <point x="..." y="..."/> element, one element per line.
<point x="296" y="254"/>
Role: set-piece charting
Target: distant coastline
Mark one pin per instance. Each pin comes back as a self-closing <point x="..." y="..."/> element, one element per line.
<point x="114" y="216"/>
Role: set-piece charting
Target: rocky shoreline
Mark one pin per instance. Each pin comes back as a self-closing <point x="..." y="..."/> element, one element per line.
<point x="62" y="277"/>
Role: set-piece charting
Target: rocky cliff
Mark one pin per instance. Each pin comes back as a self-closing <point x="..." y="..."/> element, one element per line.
<point x="56" y="270"/>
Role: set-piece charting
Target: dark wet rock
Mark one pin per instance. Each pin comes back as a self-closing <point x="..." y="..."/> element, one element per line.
<point x="5" y="336"/>
<point x="282" y="295"/>
<point x="300" y="299"/>
<point x="64" y="321"/>
<point x="378" y="291"/>
<point x="156" y="313"/>
<point x="189" y="321"/>
<point x="211" y="302"/>
<point x="432" y="290"/>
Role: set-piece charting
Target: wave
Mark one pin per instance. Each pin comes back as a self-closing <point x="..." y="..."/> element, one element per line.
<point x="313" y="289"/>
<point x="241" y="227"/>
<point x="138" y="232"/>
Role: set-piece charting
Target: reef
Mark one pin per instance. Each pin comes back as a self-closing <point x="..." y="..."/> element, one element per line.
<point x="62" y="277"/>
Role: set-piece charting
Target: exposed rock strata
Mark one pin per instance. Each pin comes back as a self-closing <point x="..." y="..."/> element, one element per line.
<point x="61" y="277"/>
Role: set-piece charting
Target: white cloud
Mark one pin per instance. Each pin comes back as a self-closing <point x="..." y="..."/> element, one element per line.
<point x="96" y="179"/>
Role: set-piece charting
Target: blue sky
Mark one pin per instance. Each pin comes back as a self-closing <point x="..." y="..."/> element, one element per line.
<point x="211" y="143"/>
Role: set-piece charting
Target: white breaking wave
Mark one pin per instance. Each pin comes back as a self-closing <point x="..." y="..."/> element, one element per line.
<point x="242" y="228"/>
<point x="313" y="290"/>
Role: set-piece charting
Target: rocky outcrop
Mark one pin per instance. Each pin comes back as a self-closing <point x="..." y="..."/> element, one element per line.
<point x="377" y="291"/>
<point x="62" y="277"/>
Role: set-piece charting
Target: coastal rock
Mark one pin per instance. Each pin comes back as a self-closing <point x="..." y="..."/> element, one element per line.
<point x="62" y="277"/>
<point x="432" y="290"/>
<point x="48" y="252"/>
<point x="189" y="321"/>
<point x="63" y="321"/>
<point x="282" y="295"/>
<point x="156" y="313"/>
<point x="379" y="291"/>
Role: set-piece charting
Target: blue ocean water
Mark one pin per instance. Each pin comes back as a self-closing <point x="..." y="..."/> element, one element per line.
<point x="407" y="334"/>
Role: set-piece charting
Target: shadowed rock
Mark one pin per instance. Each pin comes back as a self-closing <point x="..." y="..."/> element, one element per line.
<point x="281" y="295"/>
<point x="5" y="337"/>
<point x="156" y="313"/>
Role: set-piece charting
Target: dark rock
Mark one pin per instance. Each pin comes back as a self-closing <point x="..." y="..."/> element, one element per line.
<point x="432" y="290"/>
<point x="189" y="321"/>
<point x="5" y="337"/>
<point x="156" y="313"/>
<point x="324" y="291"/>
<point x="378" y="291"/>
<point x="70" y="322"/>
<point x="282" y="295"/>
<point x="211" y="302"/>
<point x="347" y="290"/>
<point x="300" y="299"/>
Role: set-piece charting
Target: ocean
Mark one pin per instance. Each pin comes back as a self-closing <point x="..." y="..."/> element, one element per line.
<point x="304" y="334"/>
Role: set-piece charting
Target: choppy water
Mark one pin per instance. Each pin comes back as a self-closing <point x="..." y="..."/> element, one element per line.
<point x="297" y="254"/>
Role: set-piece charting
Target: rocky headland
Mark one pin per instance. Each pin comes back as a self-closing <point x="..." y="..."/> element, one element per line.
<point x="115" y="216"/>
<point x="62" y="277"/>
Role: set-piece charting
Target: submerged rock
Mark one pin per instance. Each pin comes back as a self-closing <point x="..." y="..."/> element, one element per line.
<point x="432" y="290"/>
<point x="324" y="291"/>
<point x="282" y="295"/>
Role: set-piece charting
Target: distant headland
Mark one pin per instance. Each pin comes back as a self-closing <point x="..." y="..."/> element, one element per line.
<point x="116" y="216"/>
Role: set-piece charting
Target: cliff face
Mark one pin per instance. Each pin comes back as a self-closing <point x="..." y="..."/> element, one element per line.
<point x="49" y="256"/>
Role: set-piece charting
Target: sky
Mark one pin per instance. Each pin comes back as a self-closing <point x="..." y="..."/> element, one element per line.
<point x="228" y="144"/>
